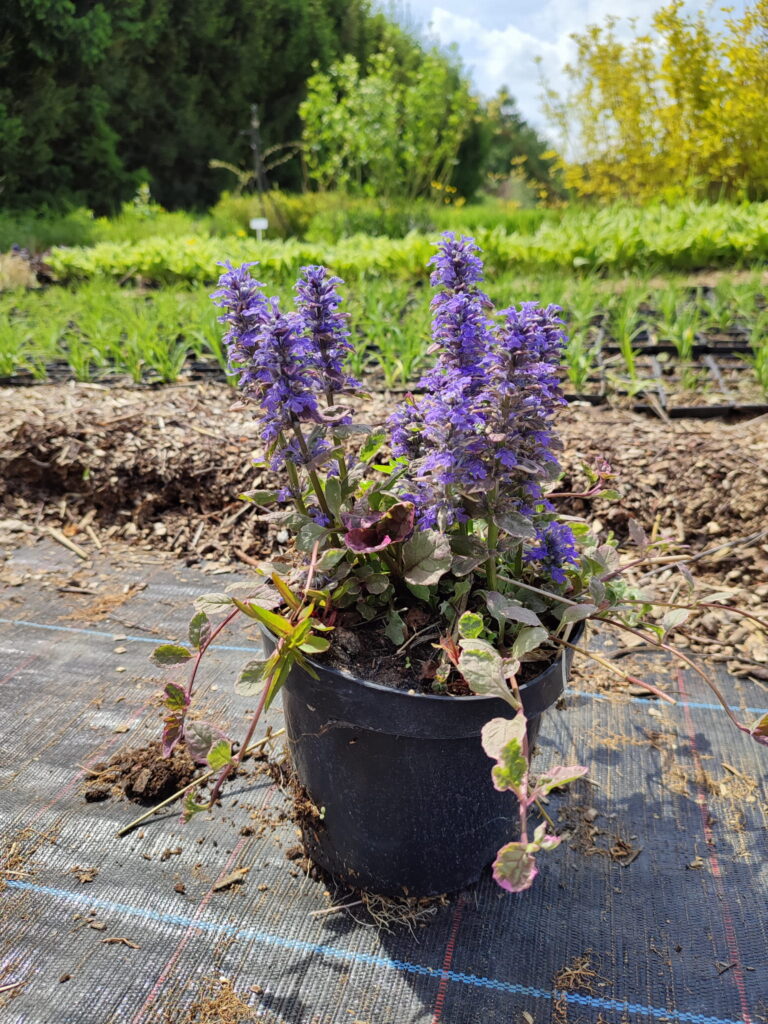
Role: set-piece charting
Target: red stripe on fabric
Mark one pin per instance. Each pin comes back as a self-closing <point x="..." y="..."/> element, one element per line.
<point x="437" y="1011"/>
<point x="173" y="960"/>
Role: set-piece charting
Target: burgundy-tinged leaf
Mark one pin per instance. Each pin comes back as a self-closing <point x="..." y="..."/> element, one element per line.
<point x="366" y="534"/>
<point x="171" y="734"/>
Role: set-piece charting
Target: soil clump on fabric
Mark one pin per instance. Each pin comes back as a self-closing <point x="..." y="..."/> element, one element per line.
<point x="142" y="776"/>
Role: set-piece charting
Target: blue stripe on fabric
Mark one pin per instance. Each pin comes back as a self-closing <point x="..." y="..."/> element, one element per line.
<point x="109" y="636"/>
<point x="372" y="959"/>
<point x="257" y="650"/>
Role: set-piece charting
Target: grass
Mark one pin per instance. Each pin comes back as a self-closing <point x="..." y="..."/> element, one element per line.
<point x="100" y="328"/>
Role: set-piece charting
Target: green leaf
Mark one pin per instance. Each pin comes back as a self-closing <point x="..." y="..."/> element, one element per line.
<point x="251" y="679"/>
<point x="528" y="639"/>
<point x="333" y="494"/>
<point x="262" y="497"/>
<point x="219" y="755"/>
<point x="557" y="777"/>
<point x="420" y="593"/>
<point x="673" y="618"/>
<point x="577" y="612"/>
<point x="377" y="584"/>
<point x="213" y="604"/>
<point x="372" y="445"/>
<point x="315" y="644"/>
<point x="199" y="630"/>
<point x="274" y="622"/>
<point x="175" y="697"/>
<point x="330" y="558"/>
<point x="394" y="629"/>
<point x="170" y="654"/>
<point x="512" y="769"/>
<point x="471" y="625"/>
<point x="309" y="534"/>
<point x="463" y="565"/>
<point x="192" y="807"/>
<point x="502" y="607"/>
<point x="516" y="525"/>
<point x="285" y="592"/>
<point x="514" y="868"/>
<point x="426" y="558"/>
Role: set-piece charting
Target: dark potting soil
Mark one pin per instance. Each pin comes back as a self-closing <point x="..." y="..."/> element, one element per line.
<point x="365" y="652"/>
<point x="142" y="775"/>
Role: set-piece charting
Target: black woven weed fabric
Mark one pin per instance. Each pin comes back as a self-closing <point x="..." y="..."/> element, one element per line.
<point x="653" y="909"/>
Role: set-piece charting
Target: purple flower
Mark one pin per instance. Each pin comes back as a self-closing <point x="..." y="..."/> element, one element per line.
<point x="246" y="313"/>
<point x="319" y="320"/>
<point x="556" y="548"/>
<point x="457" y="267"/>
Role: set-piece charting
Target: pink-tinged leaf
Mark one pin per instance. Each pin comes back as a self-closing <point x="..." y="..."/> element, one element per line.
<point x="175" y="697"/>
<point x="366" y="534"/>
<point x="759" y="730"/>
<point x="497" y="733"/>
<point x="171" y="734"/>
<point x="515" y="868"/>
<point x="199" y="737"/>
<point x="557" y="777"/>
<point x="542" y="840"/>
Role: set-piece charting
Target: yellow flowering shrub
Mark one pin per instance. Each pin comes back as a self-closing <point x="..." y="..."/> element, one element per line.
<point x="679" y="111"/>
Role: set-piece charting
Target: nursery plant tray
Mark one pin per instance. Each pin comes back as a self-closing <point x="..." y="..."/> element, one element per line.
<point x="653" y="909"/>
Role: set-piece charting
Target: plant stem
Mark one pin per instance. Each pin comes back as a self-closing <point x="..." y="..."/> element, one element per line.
<point x="543" y="813"/>
<point x="314" y="479"/>
<point x="490" y="565"/>
<point x="538" y="590"/>
<point x="191" y="785"/>
<point x="293" y="476"/>
<point x="204" y="647"/>
<point x="234" y="764"/>
<point x="616" y="671"/>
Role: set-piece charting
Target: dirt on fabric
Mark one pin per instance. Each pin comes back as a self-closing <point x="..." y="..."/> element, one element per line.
<point x="161" y="469"/>
<point x="141" y="775"/>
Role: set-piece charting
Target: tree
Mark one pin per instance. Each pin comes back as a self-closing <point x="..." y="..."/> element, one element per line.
<point x="515" y="146"/>
<point x="96" y="97"/>
<point x="388" y="129"/>
<point x="677" y="111"/>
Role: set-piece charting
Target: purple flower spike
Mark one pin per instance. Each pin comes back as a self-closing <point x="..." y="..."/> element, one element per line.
<point x="319" y="320"/>
<point x="246" y="312"/>
<point x="279" y="375"/>
<point x="556" y="549"/>
<point x="457" y="265"/>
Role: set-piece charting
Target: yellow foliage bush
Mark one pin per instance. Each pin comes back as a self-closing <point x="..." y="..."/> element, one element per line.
<point x="679" y="111"/>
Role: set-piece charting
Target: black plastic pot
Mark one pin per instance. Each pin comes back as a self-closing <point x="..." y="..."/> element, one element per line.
<point x="401" y="780"/>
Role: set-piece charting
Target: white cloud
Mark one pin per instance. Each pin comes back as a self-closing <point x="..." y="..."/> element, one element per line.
<point x="499" y="40"/>
<point x="505" y="56"/>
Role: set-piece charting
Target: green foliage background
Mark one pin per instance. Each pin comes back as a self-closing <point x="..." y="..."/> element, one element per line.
<point x="97" y="97"/>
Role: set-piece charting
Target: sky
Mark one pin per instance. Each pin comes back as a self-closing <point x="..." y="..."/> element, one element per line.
<point x="499" y="40"/>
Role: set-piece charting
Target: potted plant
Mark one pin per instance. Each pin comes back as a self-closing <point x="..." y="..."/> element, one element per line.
<point x="436" y="596"/>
